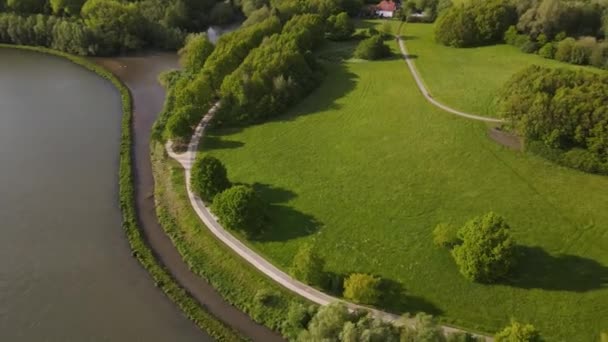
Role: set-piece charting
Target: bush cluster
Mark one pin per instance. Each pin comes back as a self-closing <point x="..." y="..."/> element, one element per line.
<point x="476" y="23"/>
<point x="339" y="27"/>
<point x="582" y="51"/>
<point x="191" y="93"/>
<point x="372" y="48"/>
<point x="335" y="322"/>
<point x="546" y="27"/>
<point x="565" y="110"/>
<point x="273" y="76"/>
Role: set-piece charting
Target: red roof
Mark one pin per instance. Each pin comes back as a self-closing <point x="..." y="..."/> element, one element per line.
<point x="386" y="5"/>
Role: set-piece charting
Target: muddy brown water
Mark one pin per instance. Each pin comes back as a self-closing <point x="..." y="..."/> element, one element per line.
<point x="140" y="75"/>
<point x="66" y="270"/>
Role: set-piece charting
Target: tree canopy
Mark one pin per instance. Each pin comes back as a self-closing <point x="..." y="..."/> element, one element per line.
<point x="487" y="250"/>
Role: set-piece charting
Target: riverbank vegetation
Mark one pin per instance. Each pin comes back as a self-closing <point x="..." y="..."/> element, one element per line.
<point x="140" y="249"/>
<point x="106" y="27"/>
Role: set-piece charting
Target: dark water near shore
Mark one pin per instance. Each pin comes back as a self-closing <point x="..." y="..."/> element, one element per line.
<point x="66" y="273"/>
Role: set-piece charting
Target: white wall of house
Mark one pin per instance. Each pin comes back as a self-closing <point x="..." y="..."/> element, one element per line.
<point x="386" y="14"/>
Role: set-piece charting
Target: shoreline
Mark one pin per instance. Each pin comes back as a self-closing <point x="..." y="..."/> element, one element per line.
<point x="130" y="218"/>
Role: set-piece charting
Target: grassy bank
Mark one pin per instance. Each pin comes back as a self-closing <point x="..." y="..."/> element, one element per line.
<point x="365" y="168"/>
<point x="469" y="79"/>
<point x="140" y="249"/>
<point x="237" y="281"/>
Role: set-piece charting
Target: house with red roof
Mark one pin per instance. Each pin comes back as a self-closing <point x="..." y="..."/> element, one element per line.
<point x="386" y="8"/>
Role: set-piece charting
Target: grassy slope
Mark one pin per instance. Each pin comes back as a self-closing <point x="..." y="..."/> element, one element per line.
<point x="234" y="279"/>
<point x="369" y="163"/>
<point x="468" y="79"/>
<point x="141" y="251"/>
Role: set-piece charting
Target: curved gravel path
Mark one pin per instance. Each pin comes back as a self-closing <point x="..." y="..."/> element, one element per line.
<point x="139" y="73"/>
<point x="186" y="159"/>
<point x="427" y="94"/>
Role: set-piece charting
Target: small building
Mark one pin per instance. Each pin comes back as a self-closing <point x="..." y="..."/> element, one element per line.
<point x="386" y="9"/>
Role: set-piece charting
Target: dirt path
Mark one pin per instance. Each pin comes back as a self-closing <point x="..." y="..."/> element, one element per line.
<point x="186" y="159"/>
<point x="427" y="94"/>
<point x="140" y="75"/>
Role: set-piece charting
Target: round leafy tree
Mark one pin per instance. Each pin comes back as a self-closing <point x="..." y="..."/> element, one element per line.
<point x="372" y="48"/>
<point x="194" y="54"/>
<point x="362" y="288"/>
<point x="208" y="177"/>
<point x="486" y="252"/>
<point x="518" y="332"/>
<point x="308" y="266"/>
<point x="340" y="27"/>
<point x="240" y="208"/>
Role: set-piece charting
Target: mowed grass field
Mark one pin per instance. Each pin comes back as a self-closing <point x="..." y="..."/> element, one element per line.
<point x="364" y="168"/>
<point x="468" y="79"/>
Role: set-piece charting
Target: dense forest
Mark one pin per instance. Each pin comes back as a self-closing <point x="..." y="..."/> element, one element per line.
<point x="562" y="113"/>
<point x="104" y="27"/>
<point x="572" y="31"/>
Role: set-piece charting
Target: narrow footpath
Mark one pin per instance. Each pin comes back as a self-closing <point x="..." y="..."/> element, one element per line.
<point x="427" y="95"/>
<point x="140" y="76"/>
<point x="186" y="159"/>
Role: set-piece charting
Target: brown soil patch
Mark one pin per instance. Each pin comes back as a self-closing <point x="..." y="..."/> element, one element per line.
<point x="505" y="138"/>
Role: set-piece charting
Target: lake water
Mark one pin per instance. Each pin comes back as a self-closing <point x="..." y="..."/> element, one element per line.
<point x="66" y="272"/>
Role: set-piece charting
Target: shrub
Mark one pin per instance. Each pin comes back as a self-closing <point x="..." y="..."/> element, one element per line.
<point x="179" y="126"/>
<point x="372" y="48"/>
<point x="510" y="35"/>
<point x="208" y="177"/>
<point x="476" y="23"/>
<point x="340" y="27"/>
<point x="580" y="159"/>
<point x="599" y="56"/>
<point x="444" y="235"/>
<point x="298" y="317"/>
<point x="307" y="266"/>
<point x="240" y="208"/>
<point x="486" y="252"/>
<point x="265" y="297"/>
<point x="529" y="46"/>
<point x="456" y="28"/>
<point x="518" y="332"/>
<point x="547" y="51"/>
<point x="193" y="55"/>
<point x="564" y="49"/>
<point x="362" y="288"/>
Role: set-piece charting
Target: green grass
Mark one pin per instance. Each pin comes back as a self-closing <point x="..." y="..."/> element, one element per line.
<point x="236" y="280"/>
<point x="366" y="168"/>
<point x="468" y="79"/>
<point x="140" y="249"/>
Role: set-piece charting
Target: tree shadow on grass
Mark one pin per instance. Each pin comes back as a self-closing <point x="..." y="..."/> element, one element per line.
<point x="284" y="222"/>
<point x="396" y="299"/>
<point x="537" y="269"/>
<point x="212" y="141"/>
<point x="337" y="83"/>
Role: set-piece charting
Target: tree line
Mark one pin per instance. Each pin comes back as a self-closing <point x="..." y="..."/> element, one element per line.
<point x="569" y="31"/>
<point x="105" y="27"/>
<point x="563" y="114"/>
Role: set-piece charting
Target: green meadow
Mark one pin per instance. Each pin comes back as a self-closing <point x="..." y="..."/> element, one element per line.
<point x="365" y="168"/>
